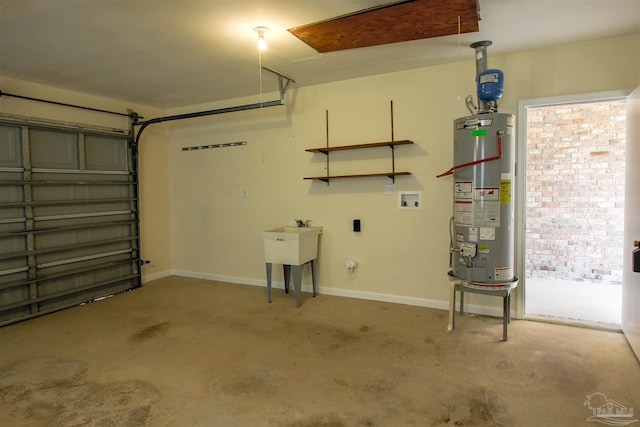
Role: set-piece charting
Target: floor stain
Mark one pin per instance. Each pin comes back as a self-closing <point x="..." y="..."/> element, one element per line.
<point x="19" y="380"/>
<point x="478" y="407"/>
<point x="55" y="392"/>
<point x="344" y="336"/>
<point x="377" y="390"/>
<point x="330" y="420"/>
<point x="332" y="340"/>
<point x="342" y="383"/>
<point x="151" y="331"/>
<point x="365" y="328"/>
<point x="504" y="364"/>
<point x="564" y="372"/>
<point x="248" y="384"/>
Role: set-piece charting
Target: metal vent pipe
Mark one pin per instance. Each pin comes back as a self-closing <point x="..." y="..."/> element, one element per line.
<point x="481" y="63"/>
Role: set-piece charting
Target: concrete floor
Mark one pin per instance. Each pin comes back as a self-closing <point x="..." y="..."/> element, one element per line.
<point x="594" y="303"/>
<point x="188" y="352"/>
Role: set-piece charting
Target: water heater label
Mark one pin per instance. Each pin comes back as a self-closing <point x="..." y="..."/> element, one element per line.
<point x="487" y="233"/>
<point x="503" y="273"/>
<point x="487" y="194"/>
<point x="463" y="190"/>
<point x="489" y="78"/>
<point x="463" y="213"/>
<point x="505" y="191"/>
<point x="486" y="207"/>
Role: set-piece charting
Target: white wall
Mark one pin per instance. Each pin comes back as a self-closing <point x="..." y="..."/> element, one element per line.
<point x="217" y="232"/>
<point x="403" y="255"/>
<point x="196" y="222"/>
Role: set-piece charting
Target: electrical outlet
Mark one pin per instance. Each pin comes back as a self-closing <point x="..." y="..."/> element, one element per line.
<point x="388" y="190"/>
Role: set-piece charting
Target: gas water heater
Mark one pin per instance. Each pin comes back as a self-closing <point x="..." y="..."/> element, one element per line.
<point x="482" y="226"/>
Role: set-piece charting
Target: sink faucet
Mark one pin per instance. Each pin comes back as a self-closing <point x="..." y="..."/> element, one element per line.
<point x="302" y="224"/>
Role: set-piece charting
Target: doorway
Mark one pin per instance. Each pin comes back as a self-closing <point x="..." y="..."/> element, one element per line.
<point x="574" y="210"/>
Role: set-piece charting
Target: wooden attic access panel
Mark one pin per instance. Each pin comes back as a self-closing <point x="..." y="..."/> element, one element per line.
<point x="390" y="23"/>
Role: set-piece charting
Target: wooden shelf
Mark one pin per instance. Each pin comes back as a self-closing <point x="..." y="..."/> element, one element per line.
<point x="326" y="150"/>
<point x="391" y="144"/>
<point x="391" y="175"/>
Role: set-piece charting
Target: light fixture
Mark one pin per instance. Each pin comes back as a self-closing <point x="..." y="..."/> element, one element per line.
<point x="262" y="44"/>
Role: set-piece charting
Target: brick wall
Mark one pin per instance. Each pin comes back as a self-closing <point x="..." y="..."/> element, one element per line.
<point x="575" y="191"/>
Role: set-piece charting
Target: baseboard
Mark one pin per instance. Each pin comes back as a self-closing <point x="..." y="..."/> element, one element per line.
<point x="155" y="276"/>
<point x="229" y="279"/>
<point x="347" y="293"/>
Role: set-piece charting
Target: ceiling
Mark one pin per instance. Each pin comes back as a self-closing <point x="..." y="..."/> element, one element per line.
<point x="172" y="53"/>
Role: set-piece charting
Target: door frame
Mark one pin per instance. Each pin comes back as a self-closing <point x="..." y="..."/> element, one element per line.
<point x="631" y="279"/>
<point x="521" y="180"/>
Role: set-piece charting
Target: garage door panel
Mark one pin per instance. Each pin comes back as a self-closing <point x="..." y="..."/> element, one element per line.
<point x="11" y="174"/>
<point x="8" y="315"/>
<point x="82" y="220"/>
<point x="121" y="261"/>
<point x="80" y="192"/>
<point x="68" y="219"/>
<point x="54" y="149"/>
<point x="80" y="250"/>
<point x="109" y="192"/>
<point x="12" y="226"/>
<point x="67" y="175"/>
<point x="49" y="193"/>
<point x="10" y="147"/>
<point x="104" y="153"/>
<point x="11" y="193"/>
<point x="12" y="244"/>
<point x="54" y="238"/>
<point x="11" y="215"/>
<point x="13" y="279"/>
<point x="80" y="281"/>
<point x="78" y="296"/>
<point x="14" y="295"/>
<point x="10" y="265"/>
<point x="82" y="207"/>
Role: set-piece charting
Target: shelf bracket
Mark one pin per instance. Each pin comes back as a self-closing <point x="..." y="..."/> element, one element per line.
<point x="393" y="163"/>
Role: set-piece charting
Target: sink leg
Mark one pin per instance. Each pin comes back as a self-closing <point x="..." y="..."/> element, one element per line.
<point x="269" y="267"/>
<point x="297" y="282"/>
<point x="313" y="276"/>
<point x="287" y="273"/>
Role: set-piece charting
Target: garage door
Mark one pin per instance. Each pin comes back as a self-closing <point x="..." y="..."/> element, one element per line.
<point x="68" y="218"/>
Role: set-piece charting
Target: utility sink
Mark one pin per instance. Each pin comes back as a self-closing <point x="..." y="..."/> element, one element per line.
<point x="290" y="245"/>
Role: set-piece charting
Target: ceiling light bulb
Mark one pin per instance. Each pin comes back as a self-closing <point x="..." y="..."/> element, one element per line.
<point x="262" y="44"/>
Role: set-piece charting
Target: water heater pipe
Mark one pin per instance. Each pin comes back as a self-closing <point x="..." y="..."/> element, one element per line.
<point x="481" y="64"/>
<point x="476" y="162"/>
